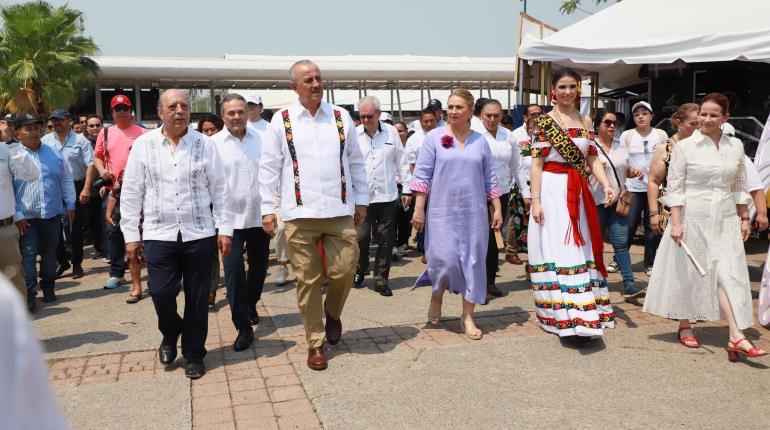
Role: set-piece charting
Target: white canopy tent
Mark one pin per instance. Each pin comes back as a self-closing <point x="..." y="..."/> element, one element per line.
<point x="617" y="39"/>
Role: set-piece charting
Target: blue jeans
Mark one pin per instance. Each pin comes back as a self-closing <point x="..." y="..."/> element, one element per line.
<point x="244" y="289"/>
<point x="651" y="241"/>
<point x="618" y="228"/>
<point x="41" y="238"/>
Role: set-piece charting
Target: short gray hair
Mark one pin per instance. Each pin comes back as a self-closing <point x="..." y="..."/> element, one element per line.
<point x="369" y="100"/>
<point x="293" y="67"/>
<point x="230" y="97"/>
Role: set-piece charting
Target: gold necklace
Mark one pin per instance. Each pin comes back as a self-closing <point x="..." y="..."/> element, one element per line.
<point x="559" y="119"/>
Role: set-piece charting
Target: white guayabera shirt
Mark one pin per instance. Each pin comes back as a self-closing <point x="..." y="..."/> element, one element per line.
<point x="173" y="189"/>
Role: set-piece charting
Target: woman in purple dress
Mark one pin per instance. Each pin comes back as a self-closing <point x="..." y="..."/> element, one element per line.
<point x="457" y="169"/>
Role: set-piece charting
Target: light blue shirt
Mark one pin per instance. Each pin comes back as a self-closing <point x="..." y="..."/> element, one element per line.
<point x="51" y="193"/>
<point x="76" y="150"/>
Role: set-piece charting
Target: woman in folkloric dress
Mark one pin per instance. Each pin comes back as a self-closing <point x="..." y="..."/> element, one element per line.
<point x="457" y="169"/>
<point x="706" y="191"/>
<point x="566" y="265"/>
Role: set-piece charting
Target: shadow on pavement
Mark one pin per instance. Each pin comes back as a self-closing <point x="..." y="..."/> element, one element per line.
<point x="63" y="343"/>
<point x="261" y="348"/>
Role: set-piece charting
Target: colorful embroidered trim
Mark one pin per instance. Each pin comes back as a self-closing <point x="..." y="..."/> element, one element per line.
<point x="540" y="152"/>
<point x="341" y="131"/>
<point x="547" y="304"/>
<point x="574" y="322"/>
<point x="525" y="148"/>
<point x="570" y="289"/>
<point x="551" y="267"/>
<point x="293" y="154"/>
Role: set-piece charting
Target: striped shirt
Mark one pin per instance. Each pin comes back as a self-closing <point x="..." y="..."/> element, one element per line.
<point x="49" y="195"/>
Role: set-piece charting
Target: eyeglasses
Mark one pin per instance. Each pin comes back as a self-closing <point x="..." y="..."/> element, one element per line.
<point x="121" y="108"/>
<point x="366" y="116"/>
<point x="608" y="122"/>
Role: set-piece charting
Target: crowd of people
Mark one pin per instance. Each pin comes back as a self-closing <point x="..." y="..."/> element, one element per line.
<point x="325" y="183"/>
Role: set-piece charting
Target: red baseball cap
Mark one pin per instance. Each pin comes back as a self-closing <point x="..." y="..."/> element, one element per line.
<point x="120" y="99"/>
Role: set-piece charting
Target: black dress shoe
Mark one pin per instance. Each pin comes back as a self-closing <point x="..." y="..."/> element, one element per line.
<point x="167" y="351"/>
<point x="48" y="295"/>
<point x="333" y="328"/>
<point x="384" y="290"/>
<point x="194" y="369"/>
<point x="244" y="339"/>
<point x="358" y="280"/>
<point x="77" y="272"/>
<point x="61" y="268"/>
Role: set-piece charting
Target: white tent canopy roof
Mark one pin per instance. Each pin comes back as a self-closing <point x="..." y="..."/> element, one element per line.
<point x="636" y="32"/>
<point x="266" y="71"/>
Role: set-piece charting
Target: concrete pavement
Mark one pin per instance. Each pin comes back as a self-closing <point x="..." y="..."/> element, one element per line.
<point x="391" y="371"/>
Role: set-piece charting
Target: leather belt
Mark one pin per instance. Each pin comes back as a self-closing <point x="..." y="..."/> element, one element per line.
<point x="7" y="221"/>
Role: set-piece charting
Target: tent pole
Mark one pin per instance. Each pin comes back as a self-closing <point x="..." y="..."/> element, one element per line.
<point x="398" y="97"/>
<point x="391" y="102"/>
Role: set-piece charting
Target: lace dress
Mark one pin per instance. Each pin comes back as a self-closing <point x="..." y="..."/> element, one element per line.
<point x="707" y="182"/>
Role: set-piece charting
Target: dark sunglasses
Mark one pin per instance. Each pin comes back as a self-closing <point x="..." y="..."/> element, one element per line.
<point x="366" y="116"/>
<point x="121" y="108"/>
<point x="608" y="122"/>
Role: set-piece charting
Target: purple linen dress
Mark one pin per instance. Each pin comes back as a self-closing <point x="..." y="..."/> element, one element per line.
<point x="459" y="183"/>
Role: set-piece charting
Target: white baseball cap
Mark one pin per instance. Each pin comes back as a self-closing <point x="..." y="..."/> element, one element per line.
<point x="384" y="116"/>
<point x="257" y="100"/>
<point x="641" y="104"/>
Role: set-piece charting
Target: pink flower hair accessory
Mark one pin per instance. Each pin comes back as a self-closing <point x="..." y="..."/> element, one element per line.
<point x="447" y="141"/>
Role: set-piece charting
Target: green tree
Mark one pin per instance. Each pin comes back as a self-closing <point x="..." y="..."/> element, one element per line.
<point x="44" y="60"/>
<point x="570" y="6"/>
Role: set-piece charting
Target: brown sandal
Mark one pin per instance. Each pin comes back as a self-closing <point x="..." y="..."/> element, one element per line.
<point x="134" y="298"/>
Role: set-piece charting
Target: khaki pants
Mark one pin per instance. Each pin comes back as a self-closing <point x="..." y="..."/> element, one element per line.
<point x="10" y="258"/>
<point x="340" y="242"/>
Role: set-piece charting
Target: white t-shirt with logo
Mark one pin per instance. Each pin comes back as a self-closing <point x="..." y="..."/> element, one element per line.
<point x="640" y="152"/>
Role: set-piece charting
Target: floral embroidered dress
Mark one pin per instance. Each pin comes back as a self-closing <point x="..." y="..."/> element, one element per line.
<point x="519" y="218"/>
<point x="707" y="182"/>
<point x="571" y="295"/>
<point x="459" y="183"/>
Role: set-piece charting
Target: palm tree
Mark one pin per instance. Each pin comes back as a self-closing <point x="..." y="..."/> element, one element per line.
<point x="44" y="60"/>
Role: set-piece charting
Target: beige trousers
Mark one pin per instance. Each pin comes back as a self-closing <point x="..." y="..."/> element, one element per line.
<point x="340" y="242"/>
<point x="10" y="258"/>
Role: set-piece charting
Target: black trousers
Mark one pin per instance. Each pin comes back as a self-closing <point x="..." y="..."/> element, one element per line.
<point x="167" y="264"/>
<point x="244" y="289"/>
<point x="381" y="216"/>
<point x="74" y="231"/>
<point x="95" y="222"/>
<point x="493" y="261"/>
<point x="403" y="222"/>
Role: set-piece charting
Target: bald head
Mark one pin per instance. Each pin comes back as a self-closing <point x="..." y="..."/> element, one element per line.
<point x="174" y="111"/>
<point x="173" y="94"/>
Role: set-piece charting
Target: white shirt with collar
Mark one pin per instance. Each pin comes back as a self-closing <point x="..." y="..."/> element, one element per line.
<point x="317" y="175"/>
<point x="383" y="154"/>
<point x="18" y="163"/>
<point x="506" y="153"/>
<point x="522" y="141"/>
<point x="173" y="189"/>
<point x="240" y="160"/>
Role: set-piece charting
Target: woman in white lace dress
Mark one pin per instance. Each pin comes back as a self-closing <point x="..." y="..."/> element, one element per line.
<point x="709" y="213"/>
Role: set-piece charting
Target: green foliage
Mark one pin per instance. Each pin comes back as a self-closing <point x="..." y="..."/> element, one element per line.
<point x="570" y="6"/>
<point x="45" y="63"/>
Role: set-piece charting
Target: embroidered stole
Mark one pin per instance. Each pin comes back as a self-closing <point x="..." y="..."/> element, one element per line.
<point x="295" y="163"/>
<point x="561" y="141"/>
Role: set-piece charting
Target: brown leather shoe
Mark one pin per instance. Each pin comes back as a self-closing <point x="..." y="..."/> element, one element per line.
<point x="316" y="358"/>
<point x="333" y="328"/>
<point x="492" y="290"/>
<point x="513" y="259"/>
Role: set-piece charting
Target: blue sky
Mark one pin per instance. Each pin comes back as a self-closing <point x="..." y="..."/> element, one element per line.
<point x="198" y="28"/>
